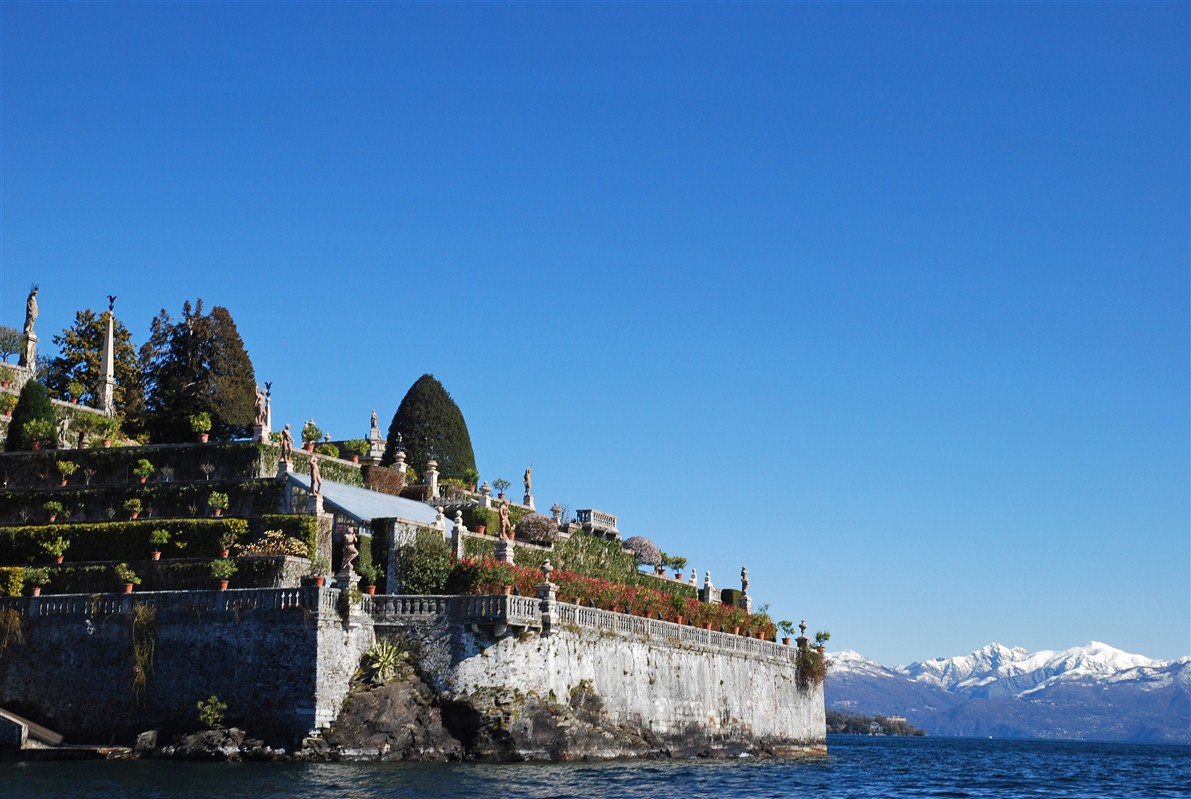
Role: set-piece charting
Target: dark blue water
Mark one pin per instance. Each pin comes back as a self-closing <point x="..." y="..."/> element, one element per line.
<point x="856" y="767"/>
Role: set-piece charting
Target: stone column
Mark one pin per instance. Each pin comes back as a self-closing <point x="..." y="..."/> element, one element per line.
<point x="107" y="376"/>
<point x="710" y="594"/>
<point x="432" y="478"/>
<point x="548" y="593"/>
<point x="399" y="535"/>
<point x="486" y="495"/>
<point x="457" y="537"/>
<point x="28" y="357"/>
<point x="528" y="501"/>
<point x="399" y="460"/>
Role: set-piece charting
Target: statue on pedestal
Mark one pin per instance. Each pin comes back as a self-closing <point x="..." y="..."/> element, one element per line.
<point x="528" y="480"/>
<point x="259" y="407"/>
<point x="316" y="479"/>
<point x="350" y="552"/>
<point x="287" y="445"/>
<point x="31" y="311"/>
<point x="506" y="525"/>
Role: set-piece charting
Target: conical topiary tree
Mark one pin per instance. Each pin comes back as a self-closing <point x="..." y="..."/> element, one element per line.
<point x="430" y="423"/>
<point x="34" y="403"/>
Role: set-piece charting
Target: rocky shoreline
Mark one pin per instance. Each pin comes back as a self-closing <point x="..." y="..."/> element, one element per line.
<point x="405" y="720"/>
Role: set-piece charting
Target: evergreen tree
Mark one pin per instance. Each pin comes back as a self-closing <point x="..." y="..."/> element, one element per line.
<point x="34" y="403"/>
<point x="193" y="365"/>
<point x="80" y="359"/>
<point x="430" y="423"/>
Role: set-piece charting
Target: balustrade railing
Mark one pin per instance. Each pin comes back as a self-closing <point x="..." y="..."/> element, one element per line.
<point x="309" y="598"/>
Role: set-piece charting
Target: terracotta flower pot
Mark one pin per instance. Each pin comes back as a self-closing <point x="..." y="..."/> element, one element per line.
<point x="107" y="443"/>
<point x="218" y="512"/>
<point x="680" y="620"/>
<point x="36" y="446"/>
<point x="370" y="589"/>
<point x="143" y="479"/>
<point x="707" y="625"/>
<point x="134" y="514"/>
<point x="308" y="446"/>
<point x="58" y="558"/>
<point x="318" y="581"/>
<point x="481" y="529"/>
<point x="36" y="590"/>
<point x="156" y="555"/>
<point x="223" y="585"/>
<point x="355" y="458"/>
<point x="204" y="437"/>
<point x="63" y="483"/>
<point x="53" y="517"/>
<point x="508" y="590"/>
<point x="128" y="588"/>
<point x="224" y="553"/>
<point x="786" y="641"/>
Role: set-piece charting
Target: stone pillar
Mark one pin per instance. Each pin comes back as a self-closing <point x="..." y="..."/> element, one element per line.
<point x="528" y="501"/>
<point x="457" y="536"/>
<point x="399" y="460"/>
<point x="548" y="593"/>
<point x="710" y="594"/>
<point x="486" y="495"/>
<point x="432" y="478"/>
<point x="556" y="513"/>
<point x="28" y="357"/>
<point x="107" y="367"/>
<point x="504" y="552"/>
<point x="801" y="640"/>
<point x="399" y="535"/>
<point x="694" y="576"/>
<point x="314" y="504"/>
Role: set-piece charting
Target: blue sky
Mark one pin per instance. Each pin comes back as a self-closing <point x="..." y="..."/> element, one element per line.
<point x="888" y="302"/>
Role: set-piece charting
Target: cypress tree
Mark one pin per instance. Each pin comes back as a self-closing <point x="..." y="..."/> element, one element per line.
<point x="34" y="403"/>
<point x="430" y="423"/>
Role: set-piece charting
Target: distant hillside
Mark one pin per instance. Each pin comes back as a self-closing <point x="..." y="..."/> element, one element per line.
<point x="1093" y="692"/>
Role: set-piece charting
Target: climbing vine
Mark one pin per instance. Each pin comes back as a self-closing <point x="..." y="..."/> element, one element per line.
<point x="144" y="631"/>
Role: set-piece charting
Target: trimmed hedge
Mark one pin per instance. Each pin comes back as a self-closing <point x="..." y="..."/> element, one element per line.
<point x="119" y="541"/>
<point x="303" y="528"/>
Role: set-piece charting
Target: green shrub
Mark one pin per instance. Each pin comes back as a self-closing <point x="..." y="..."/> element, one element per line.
<point x="424" y="565"/>
<point x="126" y="575"/>
<point x="143" y="468"/>
<point x="218" y="500"/>
<point x="12" y="580"/>
<point x="53" y="507"/>
<point x="132" y="505"/>
<point x="200" y="422"/>
<point x="66" y="468"/>
<point x="311" y="432"/>
<point x="222" y="568"/>
<point x="33" y="405"/>
<point x="211" y="712"/>
<point x="125" y="540"/>
<point x="330" y="450"/>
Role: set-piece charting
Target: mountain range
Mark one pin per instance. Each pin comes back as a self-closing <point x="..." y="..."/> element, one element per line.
<point x="1092" y="693"/>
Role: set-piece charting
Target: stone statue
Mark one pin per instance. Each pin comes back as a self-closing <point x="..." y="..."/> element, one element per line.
<point x="744" y="580"/>
<point x="375" y="423"/>
<point x="259" y="407"/>
<point x="316" y="479"/>
<point x="350" y="552"/>
<point x="528" y="479"/>
<point x="64" y="432"/>
<point x="287" y="445"/>
<point x="506" y="525"/>
<point x="31" y="311"/>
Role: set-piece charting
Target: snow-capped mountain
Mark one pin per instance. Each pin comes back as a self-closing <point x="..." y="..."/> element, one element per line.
<point x="1093" y="692"/>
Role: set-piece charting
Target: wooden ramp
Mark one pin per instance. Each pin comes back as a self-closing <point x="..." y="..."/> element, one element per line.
<point x="26" y="730"/>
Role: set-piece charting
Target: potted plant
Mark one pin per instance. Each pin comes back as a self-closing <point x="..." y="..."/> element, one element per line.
<point x="55" y="548"/>
<point x="218" y="502"/>
<point x="357" y="448"/>
<point x="787" y="628"/>
<point x="226" y="539"/>
<point x="40" y="433"/>
<point x="318" y="570"/>
<point x="222" y="570"/>
<point x="6" y="376"/>
<point x="66" y="469"/>
<point x="107" y="427"/>
<point x="127" y="576"/>
<point x="501" y="484"/>
<point x="37" y="576"/>
<point x="158" y="539"/>
<point x="7" y="403"/>
<point x="133" y="506"/>
<point x="678" y="605"/>
<point x="678" y="563"/>
<point x="369" y="574"/>
<point x="200" y="423"/>
<point x="75" y="390"/>
<point x="143" y="469"/>
<point x="821" y="638"/>
<point x="311" y="433"/>
<point x="53" y="507"/>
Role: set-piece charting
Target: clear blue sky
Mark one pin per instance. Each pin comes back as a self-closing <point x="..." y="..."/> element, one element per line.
<point x="887" y="301"/>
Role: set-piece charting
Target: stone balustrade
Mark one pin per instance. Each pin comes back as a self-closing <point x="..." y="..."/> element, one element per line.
<point x="597" y="520"/>
<point x="90" y="605"/>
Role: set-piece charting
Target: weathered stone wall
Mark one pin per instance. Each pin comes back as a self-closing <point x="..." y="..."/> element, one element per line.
<point x="703" y="696"/>
<point x="282" y="660"/>
<point x="282" y="672"/>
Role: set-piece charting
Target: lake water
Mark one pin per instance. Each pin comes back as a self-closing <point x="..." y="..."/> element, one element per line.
<point x="856" y="767"/>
